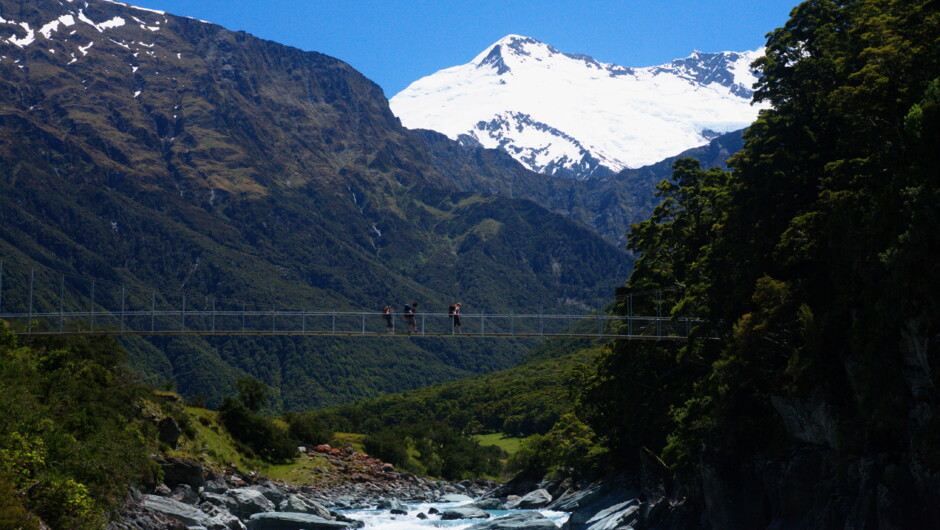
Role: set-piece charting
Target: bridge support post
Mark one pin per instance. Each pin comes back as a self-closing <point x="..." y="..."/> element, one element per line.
<point x="334" y="322"/>
<point x="62" y="304"/>
<point x="93" y="305"/>
<point x="123" y="293"/>
<point x="659" y="313"/>
<point x="303" y="321"/>
<point x="364" y="323"/>
<point x="630" y="315"/>
<point x="32" y="272"/>
<point x="422" y="323"/>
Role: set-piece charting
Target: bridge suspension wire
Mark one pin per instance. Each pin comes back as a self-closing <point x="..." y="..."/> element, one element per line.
<point x="76" y="305"/>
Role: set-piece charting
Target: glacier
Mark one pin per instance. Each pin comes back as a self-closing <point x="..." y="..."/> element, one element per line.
<point x="570" y="115"/>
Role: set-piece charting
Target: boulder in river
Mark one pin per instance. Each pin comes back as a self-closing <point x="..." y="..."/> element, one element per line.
<point x="533" y="499"/>
<point x="455" y="497"/>
<point x="489" y="504"/>
<point x="293" y="521"/>
<point x="464" y="512"/>
<point x="302" y="504"/>
<point x="517" y="521"/>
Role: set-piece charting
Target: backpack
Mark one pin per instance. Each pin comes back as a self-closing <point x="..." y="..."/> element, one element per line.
<point x="451" y="310"/>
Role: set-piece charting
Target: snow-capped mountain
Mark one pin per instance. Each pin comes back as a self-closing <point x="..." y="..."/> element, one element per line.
<point x="571" y="115"/>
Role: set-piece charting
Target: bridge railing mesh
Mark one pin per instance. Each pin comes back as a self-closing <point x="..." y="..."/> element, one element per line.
<point x="34" y="300"/>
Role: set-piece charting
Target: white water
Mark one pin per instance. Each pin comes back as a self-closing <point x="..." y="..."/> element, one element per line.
<point x="383" y="520"/>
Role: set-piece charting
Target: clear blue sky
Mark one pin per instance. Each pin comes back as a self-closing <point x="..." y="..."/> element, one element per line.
<point x="394" y="42"/>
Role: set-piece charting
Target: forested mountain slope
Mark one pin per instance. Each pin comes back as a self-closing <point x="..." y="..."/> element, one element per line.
<point x="607" y="204"/>
<point x="141" y="147"/>
<point x="814" y="261"/>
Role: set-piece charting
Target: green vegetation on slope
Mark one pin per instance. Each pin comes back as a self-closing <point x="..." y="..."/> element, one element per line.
<point x="70" y="440"/>
<point x="524" y="400"/>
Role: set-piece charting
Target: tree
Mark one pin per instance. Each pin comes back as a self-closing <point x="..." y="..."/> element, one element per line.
<point x="252" y="393"/>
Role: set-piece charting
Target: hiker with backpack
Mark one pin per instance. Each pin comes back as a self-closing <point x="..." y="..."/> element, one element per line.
<point x="454" y="313"/>
<point x="409" y="317"/>
<point x="387" y="313"/>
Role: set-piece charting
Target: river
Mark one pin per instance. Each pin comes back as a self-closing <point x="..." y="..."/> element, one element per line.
<point x="384" y="520"/>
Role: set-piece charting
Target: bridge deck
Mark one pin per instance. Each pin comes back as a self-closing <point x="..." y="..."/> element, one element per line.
<point x="348" y="324"/>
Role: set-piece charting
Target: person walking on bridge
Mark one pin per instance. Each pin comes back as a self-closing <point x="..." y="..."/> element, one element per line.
<point x="410" y="318"/>
<point x="387" y="313"/>
<point x="454" y="312"/>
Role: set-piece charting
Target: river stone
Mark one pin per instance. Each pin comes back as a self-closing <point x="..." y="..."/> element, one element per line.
<point x="620" y="515"/>
<point x="185" y="513"/>
<point x="488" y="504"/>
<point x="301" y="504"/>
<point x="533" y="499"/>
<point x="185" y="494"/>
<point x="293" y="521"/>
<point x="574" y="499"/>
<point x="464" y="512"/>
<point x="248" y="501"/>
<point x="273" y="494"/>
<point x="455" y="497"/>
<point x="390" y="504"/>
<point x="517" y="521"/>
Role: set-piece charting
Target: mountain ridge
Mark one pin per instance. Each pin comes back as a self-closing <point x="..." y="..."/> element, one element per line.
<point x="174" y="153"/>
<point x="570" y="115"/>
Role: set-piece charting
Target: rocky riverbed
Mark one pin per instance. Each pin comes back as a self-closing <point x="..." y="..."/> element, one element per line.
<point x="356" y="491"/>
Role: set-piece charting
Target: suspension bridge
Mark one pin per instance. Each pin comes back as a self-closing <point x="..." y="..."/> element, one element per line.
<point x="42" y="302"/>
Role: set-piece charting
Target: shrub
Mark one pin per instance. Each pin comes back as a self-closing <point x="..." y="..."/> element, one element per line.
<point x="259" y="434"/>
<point x="388" y="446"/>
<point x="306" y="429"/>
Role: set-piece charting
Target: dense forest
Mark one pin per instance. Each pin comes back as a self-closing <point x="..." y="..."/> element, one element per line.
<point x="814" y="261"/>
<point x="71" y="439"/>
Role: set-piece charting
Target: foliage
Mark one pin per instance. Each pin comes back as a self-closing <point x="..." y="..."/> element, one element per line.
<point x="570" y="449"/>
<point x="12" y="512"/>
<point x="70" y="443"/>
<point x="307" y="429"/>
<point x="438" y="450"/>
<point x="521" y="401"/>
<point x="388" y="446"/>
<point x="813" y="261"/>
<point x="259" y="434"/>
<point x="252" y="393"/>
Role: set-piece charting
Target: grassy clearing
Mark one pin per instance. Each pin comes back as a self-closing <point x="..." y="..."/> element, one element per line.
<point x="355" y="439"/>
<point x="213" y="442"/>
<point x="509" y="444"/>
<point x="302" y="471"/>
